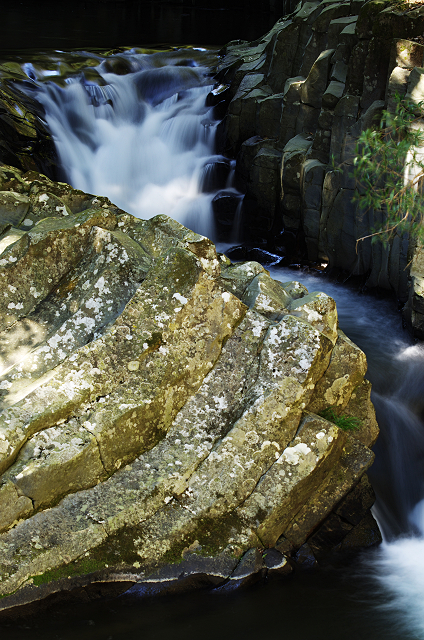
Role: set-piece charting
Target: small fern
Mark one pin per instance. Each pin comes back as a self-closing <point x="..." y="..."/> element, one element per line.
<point x="347" y="423"/>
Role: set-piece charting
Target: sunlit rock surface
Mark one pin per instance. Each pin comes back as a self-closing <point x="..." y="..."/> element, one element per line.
<point x="159" y="404"/>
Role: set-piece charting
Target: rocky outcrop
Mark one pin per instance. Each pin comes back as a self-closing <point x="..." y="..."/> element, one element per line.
<point x="159" y="405"/>
<point x="300" y="97"/>
<point x="24" y="139"/>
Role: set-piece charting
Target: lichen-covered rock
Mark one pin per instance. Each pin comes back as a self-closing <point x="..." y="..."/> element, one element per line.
<point x="266" y="296"/>
<point x="345" y="372"/>
<point x="158" y="403"/>
<point x="13" y="209"/>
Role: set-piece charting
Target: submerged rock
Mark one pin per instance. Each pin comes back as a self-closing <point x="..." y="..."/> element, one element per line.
<point x="159" y="405"/>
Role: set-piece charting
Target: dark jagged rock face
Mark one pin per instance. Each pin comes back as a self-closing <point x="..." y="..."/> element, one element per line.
<point x="301" y="96"/>
<point x="24" y="140"/>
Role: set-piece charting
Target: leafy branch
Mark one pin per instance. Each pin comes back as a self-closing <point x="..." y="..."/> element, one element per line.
<point x="389" y="171"/>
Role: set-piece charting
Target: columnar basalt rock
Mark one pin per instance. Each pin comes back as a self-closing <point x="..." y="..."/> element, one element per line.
<point x="159" y="405"/>
<point x="328" y="70"/>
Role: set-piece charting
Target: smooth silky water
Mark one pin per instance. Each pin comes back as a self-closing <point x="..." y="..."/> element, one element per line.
<point x="146" y="140"/>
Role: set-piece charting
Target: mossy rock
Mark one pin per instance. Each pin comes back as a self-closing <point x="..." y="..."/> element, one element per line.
<point x="147" y="412"/>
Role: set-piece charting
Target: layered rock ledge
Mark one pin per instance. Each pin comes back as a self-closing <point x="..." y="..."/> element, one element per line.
<point x="159" y="405"/>
<point x="298" y="100"/>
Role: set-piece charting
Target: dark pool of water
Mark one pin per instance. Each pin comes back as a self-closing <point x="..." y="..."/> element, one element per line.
<point x="323" y="605"/>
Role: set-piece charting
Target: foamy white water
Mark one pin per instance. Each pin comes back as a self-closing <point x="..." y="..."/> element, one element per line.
<point x="144" y="139"/>
<point x="396" y="369"/>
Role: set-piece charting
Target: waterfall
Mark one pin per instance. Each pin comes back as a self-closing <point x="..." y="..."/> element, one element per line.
<point x="136" y="128"/>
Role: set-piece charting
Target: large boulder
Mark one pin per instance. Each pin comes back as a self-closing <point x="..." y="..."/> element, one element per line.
<point x="159" y="404"/>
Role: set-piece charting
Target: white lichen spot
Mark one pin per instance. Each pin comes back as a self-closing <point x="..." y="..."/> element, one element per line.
<point x="304" y="364"/>
<point x="292" y="454"/>
<point x="101" y="286"/>
<point x="134" y="365"/>
<point x="180" y="298"/>
<point x="320" y="435"/>
<point x="221" y="403"/>
<point x="273" y="337"/>
<point x="33" y="291"/>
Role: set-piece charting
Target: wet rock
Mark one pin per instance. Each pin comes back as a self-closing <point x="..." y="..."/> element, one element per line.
<point x="224" y="206"/>
<point x="276" y="563"/>
<point x="13" y="209"/>
<point x="254" y="253"/>
<point x="155" y="85"/>
<point x="364" y="535"/>
<point x="250" y="569"/>
<point x="357" y="503"/>
<point x="305" y="557"/>
<point x="328" y="536"/>
<point x="214" y="176"/>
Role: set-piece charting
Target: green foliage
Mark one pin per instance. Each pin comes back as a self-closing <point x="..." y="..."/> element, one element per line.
<point x="347" y="423"/>
<point x="389" y="172"/>
<point x="79" y="568"/>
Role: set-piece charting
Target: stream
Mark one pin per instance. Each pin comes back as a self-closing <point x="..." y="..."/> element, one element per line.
<point x="144" y="138"/>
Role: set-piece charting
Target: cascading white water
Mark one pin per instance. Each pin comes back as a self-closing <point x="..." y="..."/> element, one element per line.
<point x="396" y="370"/>
<point x="145" y="138"/>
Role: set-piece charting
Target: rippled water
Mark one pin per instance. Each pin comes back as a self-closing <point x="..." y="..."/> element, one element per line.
<point x="396" y="370"/>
